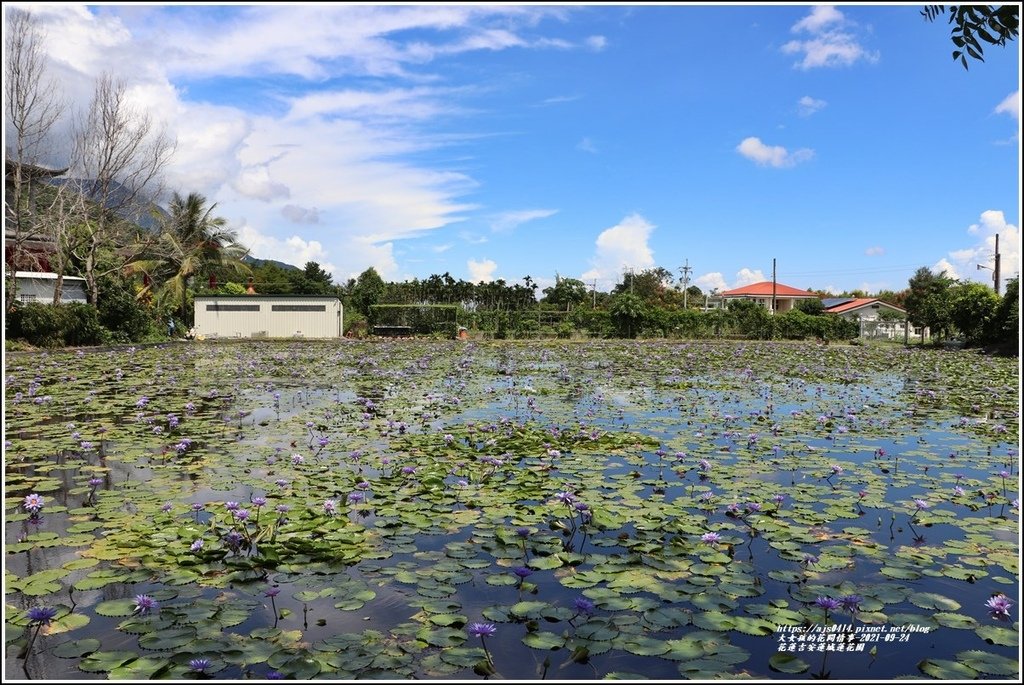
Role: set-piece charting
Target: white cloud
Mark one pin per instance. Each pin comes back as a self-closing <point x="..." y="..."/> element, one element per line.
<point x="772" y="155"/>
<point x="293" y="250"/>
<point x="255" y="182"/>
<point x="1010" y="105"/>
<point x="482" y="271"/>
<point x="472" y="238"/>
<point x="711" y="281"/>
<point x="587" y="145"/>
<point x="807" y="106"/>
<point x="508" y="221"/>
<point x="623" y="246"/>
<point x="874" y="251"/>
<point x="301" y="215"/>
<point x="964" y="262"/>
<point x="747" y="276"/>
<point x="715" y="280"/>
<point x="831" y="42"/>
<point x="820" y="17"/>
<point x="346" y="164"/>
<point x="944" y="266"/>
<point x="438" y="249"/>
<point x="596" y="43"/>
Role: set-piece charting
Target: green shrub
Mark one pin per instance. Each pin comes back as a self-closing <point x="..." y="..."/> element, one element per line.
<point x="47" y="325"/>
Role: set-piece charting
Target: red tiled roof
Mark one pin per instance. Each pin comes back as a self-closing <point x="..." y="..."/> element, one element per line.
<point x="764" y="288"/>
<point x="858" y="303"/>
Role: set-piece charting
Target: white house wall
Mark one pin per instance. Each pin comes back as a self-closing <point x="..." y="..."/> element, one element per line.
<point x="268" y="317"/>
<point x="41" y="290"/>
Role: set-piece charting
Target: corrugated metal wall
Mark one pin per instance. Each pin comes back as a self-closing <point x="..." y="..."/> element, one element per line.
<point x="252" y="316"/>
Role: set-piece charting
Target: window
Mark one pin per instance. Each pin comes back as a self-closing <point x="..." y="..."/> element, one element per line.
<point x="298" y="308"/>
<point x="232" y="307"/>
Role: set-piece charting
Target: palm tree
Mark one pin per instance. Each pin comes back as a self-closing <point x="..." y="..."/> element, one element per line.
<point x="192" y="241"/>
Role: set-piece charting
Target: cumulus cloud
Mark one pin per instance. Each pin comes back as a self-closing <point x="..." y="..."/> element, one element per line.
<point x="874" y="251"/>
<point x="711" y="281"/>
<point x="747" y="276"/>
<point x="255" y="182"/>
<point x="964" y="262"/>
<point x="509" y="221"/>
<point x="292" y="250"/>
<point x="807" y="106"/>
<point x="354" y="166"/>
<point x="944" y="266"/>
<point x="715" y="280"/>
<point x="820" y="17"/>
<point x="482" y="271"/>
<point x="623" y="246"/>
<point x="772" y="155"/>
<point x="596" y="43"/>
<point x="301" y="215"/>
<point x="1010" y="105"/>
<point x="587" y="145"/>
<point x="831" y="41"/>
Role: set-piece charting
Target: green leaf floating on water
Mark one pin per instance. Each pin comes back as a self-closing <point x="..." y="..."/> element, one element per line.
<point x="988" y="663"/>
<point x="947" y="670"/>
<point x="544" y="640"/>
<point x="999" y="636"/>
<point x="76" y="648"/>
<point x="784" y="662"/>
<point x="99" y="662"/>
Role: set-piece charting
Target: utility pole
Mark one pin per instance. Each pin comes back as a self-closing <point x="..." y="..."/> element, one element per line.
<point x="773" y="285"/>
<point x="995" y="269"/>
<point x="686" y="280"/>
<point x="594" y="306"/>
<point x="995" y="276"/>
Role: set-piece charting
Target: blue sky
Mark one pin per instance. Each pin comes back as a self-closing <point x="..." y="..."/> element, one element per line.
<point x="499" y="141"/>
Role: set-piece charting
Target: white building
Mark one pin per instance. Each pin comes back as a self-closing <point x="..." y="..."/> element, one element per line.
<point x="268" y="316"/>
<point x="38" y="286"/>
<point x="867" y="312"/>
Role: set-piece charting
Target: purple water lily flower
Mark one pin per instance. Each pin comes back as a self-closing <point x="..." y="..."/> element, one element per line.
<point x="999" y="605"/>
<point x="481" y="630"/>
<point x="827" y="603"/>
<point x="144" y="605"/>
<point x="584" y="606"/>
<point x="41" y="616"/>
<point x="710" y="538"/>
<point x="199" y="665"/>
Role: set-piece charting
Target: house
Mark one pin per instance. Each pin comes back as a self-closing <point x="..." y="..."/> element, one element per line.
<point x="861" y="308"/>
<point x="763" y="293"/>
<point x="877" y="319"/>
<point x="268" y="316"/>
<point x="38" y="286"/>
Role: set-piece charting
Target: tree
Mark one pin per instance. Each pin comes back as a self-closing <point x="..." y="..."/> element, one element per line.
<point x="811" y="307"/>
<point x="928" y="302"/>
<point x="312" y="280"/>
<point x="1006" y="326"/>
<point x="566" y="292"/>
<point x="192" y="242"/>
<point x="972" y="310"/>
<point x="368" y="289"/>
<point x="118" y="155"/>
<point x="993" y="24"/>
<point x="31" y="110"/>
<point x="628" y="311"/>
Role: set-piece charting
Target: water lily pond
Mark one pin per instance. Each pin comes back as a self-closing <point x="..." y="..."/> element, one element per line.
<point x="567" y="511"/>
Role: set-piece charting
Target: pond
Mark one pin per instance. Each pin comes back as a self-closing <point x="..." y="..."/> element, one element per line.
<point x="564" y="511"/>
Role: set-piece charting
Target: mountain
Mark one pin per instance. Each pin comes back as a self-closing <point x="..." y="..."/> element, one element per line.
<point x="253" y="261"/>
